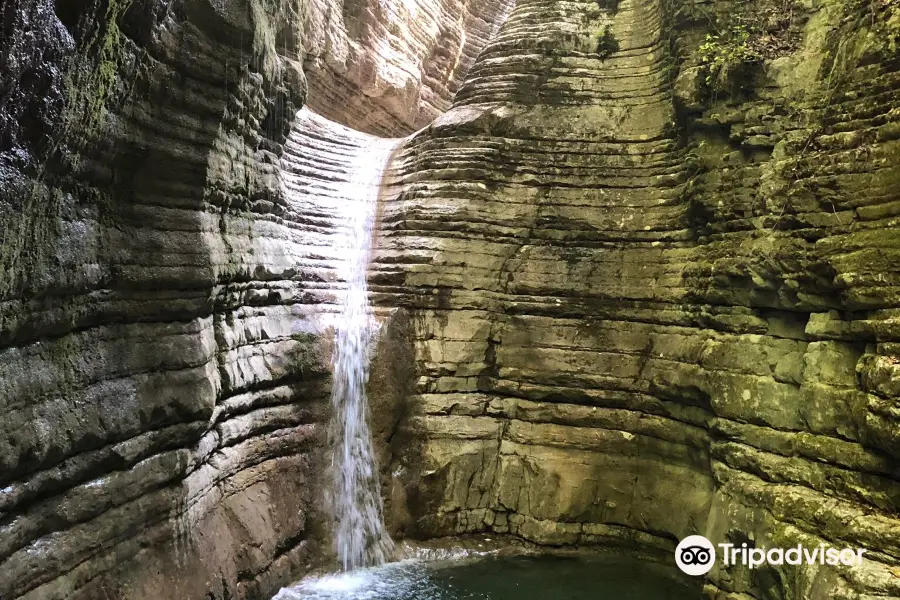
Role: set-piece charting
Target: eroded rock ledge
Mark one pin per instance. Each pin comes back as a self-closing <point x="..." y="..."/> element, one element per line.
<point x="166" y="260"/>
<point x="390" y="68"/>
<point x="647" y="305"/>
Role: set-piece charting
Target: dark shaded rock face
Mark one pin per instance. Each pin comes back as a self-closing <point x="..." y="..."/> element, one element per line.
<point x="163" y="378"/>
<point x="638" y="282"/>
<point x="155" y="438"/>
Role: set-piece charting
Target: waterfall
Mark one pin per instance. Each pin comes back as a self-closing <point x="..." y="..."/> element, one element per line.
<point x="359" y="531"/>
<point x="332" y="174"/>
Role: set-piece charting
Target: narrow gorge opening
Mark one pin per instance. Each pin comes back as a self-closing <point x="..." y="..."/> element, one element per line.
<point x="336" y="171"/>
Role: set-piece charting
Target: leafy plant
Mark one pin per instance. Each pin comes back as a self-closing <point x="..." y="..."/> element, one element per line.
<point x="607" y="44"/>
<point x="722" y="57"/>
<point x="769" y="30"/>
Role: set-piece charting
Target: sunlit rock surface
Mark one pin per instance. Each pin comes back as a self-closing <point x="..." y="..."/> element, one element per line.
<point x="391" y="67"/>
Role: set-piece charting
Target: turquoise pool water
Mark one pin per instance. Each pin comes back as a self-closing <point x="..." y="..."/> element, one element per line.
<point x="501" y="578"/>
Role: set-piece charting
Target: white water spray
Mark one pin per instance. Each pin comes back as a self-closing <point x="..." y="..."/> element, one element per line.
<point x="359" y="531"/>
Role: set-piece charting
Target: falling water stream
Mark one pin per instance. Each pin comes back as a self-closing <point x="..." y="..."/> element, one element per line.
<point x="359" y="531"/>
<point x="335" y="174"/>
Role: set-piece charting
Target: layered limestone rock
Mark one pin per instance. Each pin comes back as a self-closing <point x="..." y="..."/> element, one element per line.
<point x="157" y="431"/>
<point x="167" y="256"/>
<point x="536" y="218"/>
<point x="641" y="283"/>
<point x="389" y="68"/>
<point x="652" y="297"/>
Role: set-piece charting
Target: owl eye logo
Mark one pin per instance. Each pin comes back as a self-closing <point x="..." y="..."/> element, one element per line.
<point x="695" y="555"/>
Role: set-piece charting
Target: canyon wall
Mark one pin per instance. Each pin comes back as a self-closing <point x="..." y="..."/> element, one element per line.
<point x="649" y="262"/>
<point x="157" y="431"/>
<point x="389" y="68"/>
<point x="167" y="268"/>
<point x="639" y="281"/>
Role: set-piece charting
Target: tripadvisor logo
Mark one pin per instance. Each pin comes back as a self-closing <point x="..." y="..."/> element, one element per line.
<point x="696" y="555"/>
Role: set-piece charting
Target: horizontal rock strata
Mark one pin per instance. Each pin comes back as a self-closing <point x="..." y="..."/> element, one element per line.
<point x="160" y="380"/>
<point x="644" y="311"/>
<point x="390" y="68"/>
<point x="168" y="261"/>
<point x="629" y="298"/>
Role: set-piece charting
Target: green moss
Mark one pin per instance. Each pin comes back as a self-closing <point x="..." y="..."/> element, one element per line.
<point x="91" y="81"/>
<point x="607" y="44"/>
<point x="865" y="32"/>
<point x="93" y="75"/>
<point x="26" y="242"/>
